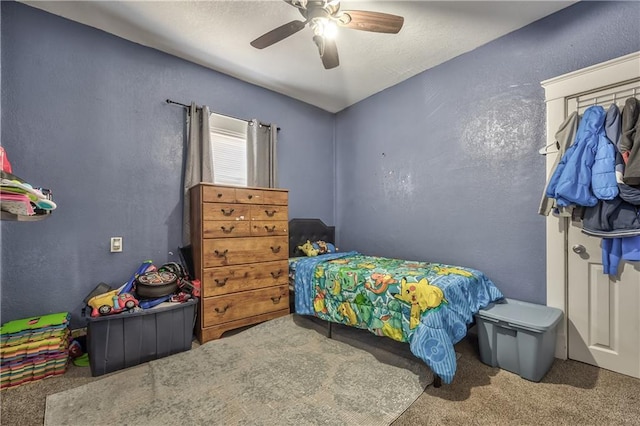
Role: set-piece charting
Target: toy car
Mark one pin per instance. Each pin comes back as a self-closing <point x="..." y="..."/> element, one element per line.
<point x="111" y="303"/>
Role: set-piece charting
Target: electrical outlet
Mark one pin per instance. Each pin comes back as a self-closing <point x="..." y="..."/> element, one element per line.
<point x="116" y="244"/>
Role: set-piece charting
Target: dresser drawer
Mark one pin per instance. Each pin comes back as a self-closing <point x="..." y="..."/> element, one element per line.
<point x="269" y="212"/>
<point x="217" y="194"/>
<point x="249" y="196"/>
<point x="276" y="197"/>
<point x="267" y="228"/>
<point x="220" y="194"/>
<point x="221" y="211"/>
<point x="230" y="307"/>
<point x="224" y="229"/>
<point x="230" y="279"/>
<point x="233" y="251"/>
<point x="215" y="331"/>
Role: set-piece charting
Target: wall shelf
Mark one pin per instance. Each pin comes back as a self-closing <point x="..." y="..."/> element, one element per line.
<point x="22" y="218"/>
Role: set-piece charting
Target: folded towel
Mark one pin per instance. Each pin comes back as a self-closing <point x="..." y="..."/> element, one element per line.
<point x="18" y="204"/>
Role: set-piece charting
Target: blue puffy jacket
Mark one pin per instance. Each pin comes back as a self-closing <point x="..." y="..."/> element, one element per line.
<point x="603" y="172"/>
<point x="578" y="180"/>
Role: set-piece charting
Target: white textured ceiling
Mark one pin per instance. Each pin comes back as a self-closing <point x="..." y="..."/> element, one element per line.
<point x="216" y="34"/>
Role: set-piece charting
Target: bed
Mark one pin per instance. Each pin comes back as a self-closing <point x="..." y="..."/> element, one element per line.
<point x="428" y="305"/>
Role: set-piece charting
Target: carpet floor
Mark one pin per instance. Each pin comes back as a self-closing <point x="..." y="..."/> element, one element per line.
<point x="572" y="393"/>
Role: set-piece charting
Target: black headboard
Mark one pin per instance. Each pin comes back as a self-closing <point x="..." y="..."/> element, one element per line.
<point x="301" y="230"/>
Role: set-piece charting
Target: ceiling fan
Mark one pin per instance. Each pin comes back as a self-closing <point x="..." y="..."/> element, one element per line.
<point x="324" y="16"/>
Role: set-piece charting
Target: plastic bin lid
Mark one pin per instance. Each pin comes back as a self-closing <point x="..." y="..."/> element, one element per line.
<point x="522" y="314"/>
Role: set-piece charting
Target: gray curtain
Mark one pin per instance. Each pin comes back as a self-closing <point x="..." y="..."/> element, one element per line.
<point x="199" y="161"/>
<point x="262" y="165"/>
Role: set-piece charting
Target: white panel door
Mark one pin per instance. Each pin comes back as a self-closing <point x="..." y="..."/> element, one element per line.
<point x="604" y="311"/>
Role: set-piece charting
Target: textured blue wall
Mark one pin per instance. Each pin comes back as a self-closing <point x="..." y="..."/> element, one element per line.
<point x="84" y="114"/>
<point x="444" y="166"/>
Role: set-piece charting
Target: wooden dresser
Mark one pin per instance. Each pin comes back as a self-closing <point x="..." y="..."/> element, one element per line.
<point x="240" y="243"/>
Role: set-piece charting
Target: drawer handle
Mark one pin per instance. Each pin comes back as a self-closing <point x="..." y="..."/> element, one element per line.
<point x="275" y="249"/>
<point x="227" y="231"/>
<point x="276" y="274"/>
<point x="219" y="195"/>
<point x="221" y="254"/>
<point x="276" y="300"/>
<point x="227" y="213"/>
<point x="221" y="283"/>
<point x="250" y="196"/>
<point x="222" y="310"/>
<point x="270" y="213"/>
<point x="273" y="228"/>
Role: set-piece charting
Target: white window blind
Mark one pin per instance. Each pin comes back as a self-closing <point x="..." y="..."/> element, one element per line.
<point x="229" y="146"/>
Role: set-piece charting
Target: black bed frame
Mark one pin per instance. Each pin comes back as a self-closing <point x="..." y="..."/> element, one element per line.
<point x="301" y="230"/>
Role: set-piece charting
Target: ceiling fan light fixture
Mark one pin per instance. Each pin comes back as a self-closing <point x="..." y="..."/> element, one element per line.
<point x="330" y="29"/>
<point x="324" y="27"/>
<point x="300" y="4"/>
<point x="324" y="17"/>
<point x="343" y="18"/>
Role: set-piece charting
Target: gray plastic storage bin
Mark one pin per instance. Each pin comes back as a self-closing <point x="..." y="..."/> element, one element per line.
<point x="519" y="337"/>
<point x="123" y="340"/>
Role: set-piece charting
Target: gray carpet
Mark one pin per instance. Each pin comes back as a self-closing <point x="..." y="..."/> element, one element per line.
<point x="280" y="372"/>
<point x="572" y="393"/>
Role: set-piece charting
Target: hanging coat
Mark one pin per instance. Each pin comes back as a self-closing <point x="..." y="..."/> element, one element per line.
<point x="630" y="113"/>
<point x="571" y="181"/>
<point x="621" y="220"/>
<point x="565" y="136"/>
<point x="603" y="173"/>
<point x="631" y="132"/>
<point x="613" y="125"/>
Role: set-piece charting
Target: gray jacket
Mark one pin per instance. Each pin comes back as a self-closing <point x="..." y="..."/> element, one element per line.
<point x="631" y="136"/>
<point x="613" y="125"/>
<point x="629" y="117"/>
<point x="565" y="136"/>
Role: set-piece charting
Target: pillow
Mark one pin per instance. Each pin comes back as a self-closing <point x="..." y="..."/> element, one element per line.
<point x="323" y="247"/>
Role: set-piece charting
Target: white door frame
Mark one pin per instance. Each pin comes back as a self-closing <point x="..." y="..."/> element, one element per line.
<point x="557" y="90"/>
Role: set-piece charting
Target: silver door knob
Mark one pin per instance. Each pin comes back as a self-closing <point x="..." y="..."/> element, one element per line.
<point x="578" y="249"/>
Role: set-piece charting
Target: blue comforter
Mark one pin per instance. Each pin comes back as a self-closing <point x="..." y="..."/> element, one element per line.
<point x="428" y="305"/>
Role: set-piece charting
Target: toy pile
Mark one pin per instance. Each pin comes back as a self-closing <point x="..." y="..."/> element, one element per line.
<point x="34" y="348"/>
<point x="149" y="286"/>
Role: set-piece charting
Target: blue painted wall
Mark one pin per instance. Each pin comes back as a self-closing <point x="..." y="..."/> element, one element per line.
<point x="444" y="166"/>
<point x="84" y="114"/>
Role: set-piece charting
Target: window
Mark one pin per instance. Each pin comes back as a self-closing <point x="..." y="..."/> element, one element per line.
<point x="229" y="147"/>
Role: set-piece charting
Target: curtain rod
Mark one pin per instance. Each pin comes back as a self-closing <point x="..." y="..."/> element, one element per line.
<point x="169" y="101"/>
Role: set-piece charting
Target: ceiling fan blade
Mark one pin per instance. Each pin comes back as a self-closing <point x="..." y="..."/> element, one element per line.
<point x="370" y="21"/>
<point x="278" y="34"/>
<point x="330" y="54"/>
